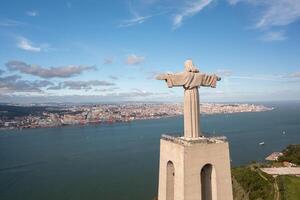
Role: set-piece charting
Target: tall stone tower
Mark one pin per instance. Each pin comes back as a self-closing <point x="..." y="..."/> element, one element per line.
<point x="193" y="167"/>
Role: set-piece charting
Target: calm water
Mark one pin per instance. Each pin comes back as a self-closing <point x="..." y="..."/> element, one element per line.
<point x="120" y="161"/>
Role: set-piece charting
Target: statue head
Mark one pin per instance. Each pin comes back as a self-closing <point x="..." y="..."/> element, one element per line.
<point x="189" y="66"/>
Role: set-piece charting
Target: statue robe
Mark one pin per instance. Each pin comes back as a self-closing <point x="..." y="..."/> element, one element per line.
<point x="191" y="81"/>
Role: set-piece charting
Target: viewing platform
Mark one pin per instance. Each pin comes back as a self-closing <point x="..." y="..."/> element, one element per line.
<point x="188" y="141"/>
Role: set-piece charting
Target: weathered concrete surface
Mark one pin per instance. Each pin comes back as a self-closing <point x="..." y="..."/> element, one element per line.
<point x="188" y="157"/>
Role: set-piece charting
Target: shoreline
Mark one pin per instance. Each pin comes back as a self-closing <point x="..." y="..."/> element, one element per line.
<point x="127" y="121"/>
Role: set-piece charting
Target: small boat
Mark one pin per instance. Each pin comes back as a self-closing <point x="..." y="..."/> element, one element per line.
<point x="283" y="132"/>
<point x="261" y="143"/>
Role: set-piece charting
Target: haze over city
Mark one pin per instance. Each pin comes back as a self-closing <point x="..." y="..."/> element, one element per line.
<point x="98" y="51"/>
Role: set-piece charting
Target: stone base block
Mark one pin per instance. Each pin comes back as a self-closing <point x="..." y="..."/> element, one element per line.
<point x="194" y="169"/>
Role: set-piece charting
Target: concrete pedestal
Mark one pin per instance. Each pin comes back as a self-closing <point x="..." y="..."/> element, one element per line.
<point x="194" y="169"/>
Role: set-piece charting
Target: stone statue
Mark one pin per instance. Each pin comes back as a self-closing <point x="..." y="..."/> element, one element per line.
<point x="190" y="79"/>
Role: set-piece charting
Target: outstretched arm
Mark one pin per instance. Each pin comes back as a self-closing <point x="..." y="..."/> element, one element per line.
<point x="178" y="79"/>
<point x="210" y="80"/>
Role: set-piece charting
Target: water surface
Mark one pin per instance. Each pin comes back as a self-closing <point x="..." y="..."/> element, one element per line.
<point x="120" y="161"/>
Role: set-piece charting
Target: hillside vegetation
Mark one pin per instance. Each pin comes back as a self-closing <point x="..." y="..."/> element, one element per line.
<point x="291" y="154"/>
<point x="249" y="183"/>
<point x="289" y="187"/>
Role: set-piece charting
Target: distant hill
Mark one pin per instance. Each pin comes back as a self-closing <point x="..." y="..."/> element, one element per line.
<point x="11" y="111"/>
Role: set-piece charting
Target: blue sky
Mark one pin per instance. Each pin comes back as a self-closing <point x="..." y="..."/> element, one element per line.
<point x="111" y="50"/>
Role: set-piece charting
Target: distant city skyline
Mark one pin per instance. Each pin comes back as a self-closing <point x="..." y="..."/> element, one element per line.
<point x="99" y="51"/>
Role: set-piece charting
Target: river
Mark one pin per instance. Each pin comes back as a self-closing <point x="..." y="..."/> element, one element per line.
<point x="120" y="161"/>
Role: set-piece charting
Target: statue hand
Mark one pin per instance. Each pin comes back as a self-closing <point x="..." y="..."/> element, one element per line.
<point x="162" y="77"/>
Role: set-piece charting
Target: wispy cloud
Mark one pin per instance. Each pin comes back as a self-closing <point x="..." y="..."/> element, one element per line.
<point x="191" y="8"/>
<point x="110" y="89"/>
<point x="134" y="94"/>
<point x="136" y="18"/>
<point x="233" y="2"/>
<point x="10" y="22"/>
<point x="272" y="14"/>
<point x="224" y="72"/>
<point x="108" y="61"/>
<point x="51" y="72"/>
<point x="105" y="97"/>
<point x="142" y="7"/>
<point x="32" y="13"/>
<point x="295" y="75"/>
<point x="258" y="77"/>
<point x="152" y="74"/>
<point x="27" y="45"/>
<point x="80" y="85"/>
<point x="113" y="77"/>
<point x="271" y="36"/>
<point x="270" y="77"/>
<point x="134" y="21"/>
<point x="134" y="59"/>
<point x="279" y="13"/>
<point x="180" y="10"/>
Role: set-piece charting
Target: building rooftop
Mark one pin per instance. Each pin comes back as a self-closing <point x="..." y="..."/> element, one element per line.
<point x="274" y="156"/>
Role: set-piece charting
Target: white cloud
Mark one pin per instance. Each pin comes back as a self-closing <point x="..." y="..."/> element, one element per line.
<point x="134" y="59"/>
<point x="192" y="8"/>
<point x="32" y="13"/>
<point x="274" y="36"/>
<point x="51" y="72"/>
<point x="27" y="45"/>
<point x="14" y="83"/>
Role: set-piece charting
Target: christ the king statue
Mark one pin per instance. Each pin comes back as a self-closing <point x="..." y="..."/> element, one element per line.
<point x="190" y="79"/>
